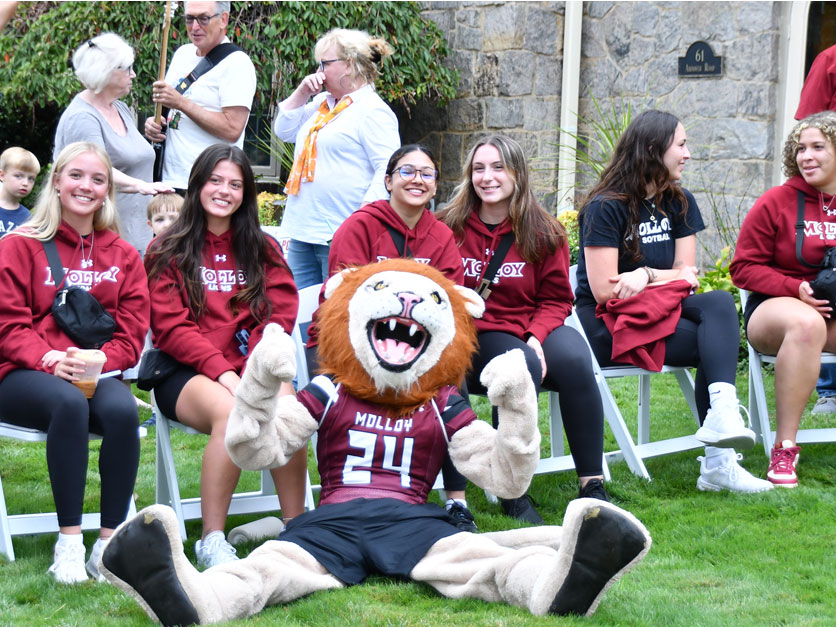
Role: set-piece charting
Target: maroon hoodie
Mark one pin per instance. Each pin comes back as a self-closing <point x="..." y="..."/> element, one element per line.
<point x="208" y="344"/>
<point x="764" y="258"/>
<point x="116" y="278"/>
<point x="363" y="238"/>
<point x="525" y="299"/>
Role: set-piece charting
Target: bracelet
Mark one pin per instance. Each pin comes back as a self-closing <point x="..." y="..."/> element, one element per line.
<point x="651" y="275"/>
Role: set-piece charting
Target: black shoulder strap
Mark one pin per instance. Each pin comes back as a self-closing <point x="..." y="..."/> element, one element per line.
<point x="400" y="241"/>
<point x="799" y="232"/>
<point x="54" y="262"/>
<point x="212" y="58"/>
<point x="484" y="289"/>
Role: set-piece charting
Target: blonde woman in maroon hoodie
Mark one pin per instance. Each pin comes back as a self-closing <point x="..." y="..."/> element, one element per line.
<point x="528" y="298"/>
<point x="75" y="210"/>
<point x="216" y="280"/>
<point x="782" y="315"/>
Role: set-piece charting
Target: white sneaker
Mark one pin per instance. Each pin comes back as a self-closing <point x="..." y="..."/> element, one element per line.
<point x="68" y="563"/>
<point x="214" y="550"/>
<point x="729" y="476"/>
<point x="724" y="428"/>
<point x="95" y="560"/>
<point x="825" y="405"/>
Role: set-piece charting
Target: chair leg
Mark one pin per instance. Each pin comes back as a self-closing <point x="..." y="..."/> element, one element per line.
<point x="6" y="547"/>
<point x="644" y="409"/>
<point x="619" y="429"/>
<point x="168" y="488"/>
<point x="758" y="410"/>
<point x="686" y="384"/>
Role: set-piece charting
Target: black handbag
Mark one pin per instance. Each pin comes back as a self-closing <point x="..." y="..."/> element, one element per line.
<point x="154" y="367"/>
<point x="76" y="310"/>
<point x="824" y="285"/>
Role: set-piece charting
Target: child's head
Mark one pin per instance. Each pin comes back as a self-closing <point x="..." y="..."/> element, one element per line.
<point x="18" y="169"/>
<point x="163" y="210"/>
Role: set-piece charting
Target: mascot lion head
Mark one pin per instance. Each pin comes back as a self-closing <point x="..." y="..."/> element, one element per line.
<point x="396" y="331"/>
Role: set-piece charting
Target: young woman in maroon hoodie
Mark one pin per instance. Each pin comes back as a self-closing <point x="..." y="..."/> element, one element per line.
<point x="529" y="299"/>
<point x="637" y="231"/>
<point x="368" y="236"/>
<point x="76" y="210"/>
<point x="782" y="315"/>
<point x="216" y="280"/>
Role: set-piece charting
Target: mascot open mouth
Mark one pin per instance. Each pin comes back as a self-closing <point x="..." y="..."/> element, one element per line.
<point x="397" y="342"/>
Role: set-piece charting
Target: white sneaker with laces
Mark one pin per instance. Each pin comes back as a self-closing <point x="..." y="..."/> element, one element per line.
<point x="724" y="427"/>
<point x="729" y="476"/>
<point x="825" y="405"/>
<point x="68" y="563"/>
<point x="214" y="550"/>
<point x="95" y="558"/>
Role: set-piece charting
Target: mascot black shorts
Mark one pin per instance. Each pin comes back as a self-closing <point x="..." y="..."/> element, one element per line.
<point x="364" y="537"/>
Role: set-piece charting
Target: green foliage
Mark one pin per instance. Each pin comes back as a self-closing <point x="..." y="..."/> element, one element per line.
<point x="594" y="147"/>
<point x="569" y="219"/>
<point x="270" y="208"/>
<point x="279" y="36"/>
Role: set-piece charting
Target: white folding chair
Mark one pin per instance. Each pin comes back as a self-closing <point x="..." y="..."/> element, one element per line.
<point x="758" y="409"/>
<point x="32" y="524"/>
<point x="261" y="500"/>
<point x="635" y="452"/>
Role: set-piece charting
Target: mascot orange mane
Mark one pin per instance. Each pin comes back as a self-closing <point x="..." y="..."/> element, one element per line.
<point x="396" y="338"/>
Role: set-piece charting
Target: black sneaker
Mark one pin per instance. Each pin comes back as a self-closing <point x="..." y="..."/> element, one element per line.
<point x="594" y="489"/>
<point x="462" y="518"/>
<point x="521" y="509"/>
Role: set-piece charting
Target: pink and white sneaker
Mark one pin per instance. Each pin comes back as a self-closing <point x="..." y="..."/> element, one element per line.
<point x="782" y="465"/>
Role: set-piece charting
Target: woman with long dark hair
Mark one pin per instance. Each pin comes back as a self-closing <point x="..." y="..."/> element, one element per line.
<point x="638" y="241"/>
<point x="216" y="280"/>
<point x="527" y="299"/>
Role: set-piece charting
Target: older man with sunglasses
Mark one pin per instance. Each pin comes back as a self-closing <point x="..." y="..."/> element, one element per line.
<point x="212" y="109"/>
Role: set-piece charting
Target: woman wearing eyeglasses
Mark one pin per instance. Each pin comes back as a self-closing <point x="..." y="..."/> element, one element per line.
<point x="104" y="65"/>
<point x="344" y="137"/>
<point x="527" y="299"/>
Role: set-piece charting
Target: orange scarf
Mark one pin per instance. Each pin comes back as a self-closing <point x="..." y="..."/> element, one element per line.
<point x="305" y="163"/>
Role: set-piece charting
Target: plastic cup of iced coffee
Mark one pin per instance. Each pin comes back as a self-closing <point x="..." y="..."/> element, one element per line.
<point x="93" y="360"/>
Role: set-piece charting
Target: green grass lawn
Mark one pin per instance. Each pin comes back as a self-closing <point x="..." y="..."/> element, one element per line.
<point x="717" y="558"/>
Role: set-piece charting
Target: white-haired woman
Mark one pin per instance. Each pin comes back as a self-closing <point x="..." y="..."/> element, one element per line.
<point x="344" y="138"/>
<point x="37" y="364"/>
<point x="104" y="65"/>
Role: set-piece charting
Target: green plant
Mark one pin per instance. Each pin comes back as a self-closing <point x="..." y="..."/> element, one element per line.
<point x="280" y="151"/>
<point x="270" y="208"/>
<point x="569" y="219"/>
<point x="592" y="149"/>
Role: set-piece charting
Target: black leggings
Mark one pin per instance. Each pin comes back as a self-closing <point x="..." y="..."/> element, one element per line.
<point x="568" y="372"/>
<point x="30" y="398"/>
<point x="453" y="479"/>
<point x="707" y="337"/>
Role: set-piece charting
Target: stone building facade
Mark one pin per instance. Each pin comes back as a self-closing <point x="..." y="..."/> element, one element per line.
<point x="510" y="61"/>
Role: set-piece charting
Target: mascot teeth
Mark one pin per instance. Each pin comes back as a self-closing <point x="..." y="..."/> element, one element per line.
<point x="397" y="341"/>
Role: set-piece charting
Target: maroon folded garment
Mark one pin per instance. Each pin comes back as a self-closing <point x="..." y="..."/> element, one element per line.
<point x="640" y="324"/>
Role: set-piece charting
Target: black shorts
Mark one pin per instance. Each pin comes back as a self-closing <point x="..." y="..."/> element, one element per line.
<point x="754" y="300"/>
<point x="364" y="537"/>
<point x="167" y="392"/>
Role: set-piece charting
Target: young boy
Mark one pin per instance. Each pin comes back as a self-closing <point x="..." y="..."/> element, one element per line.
<point x="163" y="210"/>
<point x="18" y="169"/>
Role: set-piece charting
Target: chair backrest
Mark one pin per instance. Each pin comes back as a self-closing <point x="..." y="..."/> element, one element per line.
<point x="308" y="304"/>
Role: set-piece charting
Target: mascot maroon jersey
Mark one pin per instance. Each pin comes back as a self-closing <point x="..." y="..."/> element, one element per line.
<point x="362" y="453"/>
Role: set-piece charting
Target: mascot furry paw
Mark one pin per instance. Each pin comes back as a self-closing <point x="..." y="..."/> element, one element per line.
<point x="397" y="338"/>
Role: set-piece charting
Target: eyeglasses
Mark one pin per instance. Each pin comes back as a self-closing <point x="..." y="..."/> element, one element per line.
<point x="408" y="173"/>
<point x="325" y="62"/>
<point x="203" y="20"/>
<point x="126" y="69"/>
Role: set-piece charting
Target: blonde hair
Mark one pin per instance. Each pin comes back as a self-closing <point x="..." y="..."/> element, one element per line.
<point x="168" y="203"/>
<point x="47" y="213"/>
<point x="362" y="51"/>
<point x="825" y="121"/>
<point x="20" y="158"/>
<point x="97" y="58"/>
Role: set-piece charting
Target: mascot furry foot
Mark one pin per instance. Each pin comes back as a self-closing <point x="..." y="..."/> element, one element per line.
<point x="386" y="409"/>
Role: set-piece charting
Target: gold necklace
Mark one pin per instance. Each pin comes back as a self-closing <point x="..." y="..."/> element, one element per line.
<point x="651" y="207"/>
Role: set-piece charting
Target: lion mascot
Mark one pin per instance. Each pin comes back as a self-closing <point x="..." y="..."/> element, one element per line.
<point x="397" y="337"/>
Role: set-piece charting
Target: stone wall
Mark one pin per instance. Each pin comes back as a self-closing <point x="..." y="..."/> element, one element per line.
<point x="510" y="54"/>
